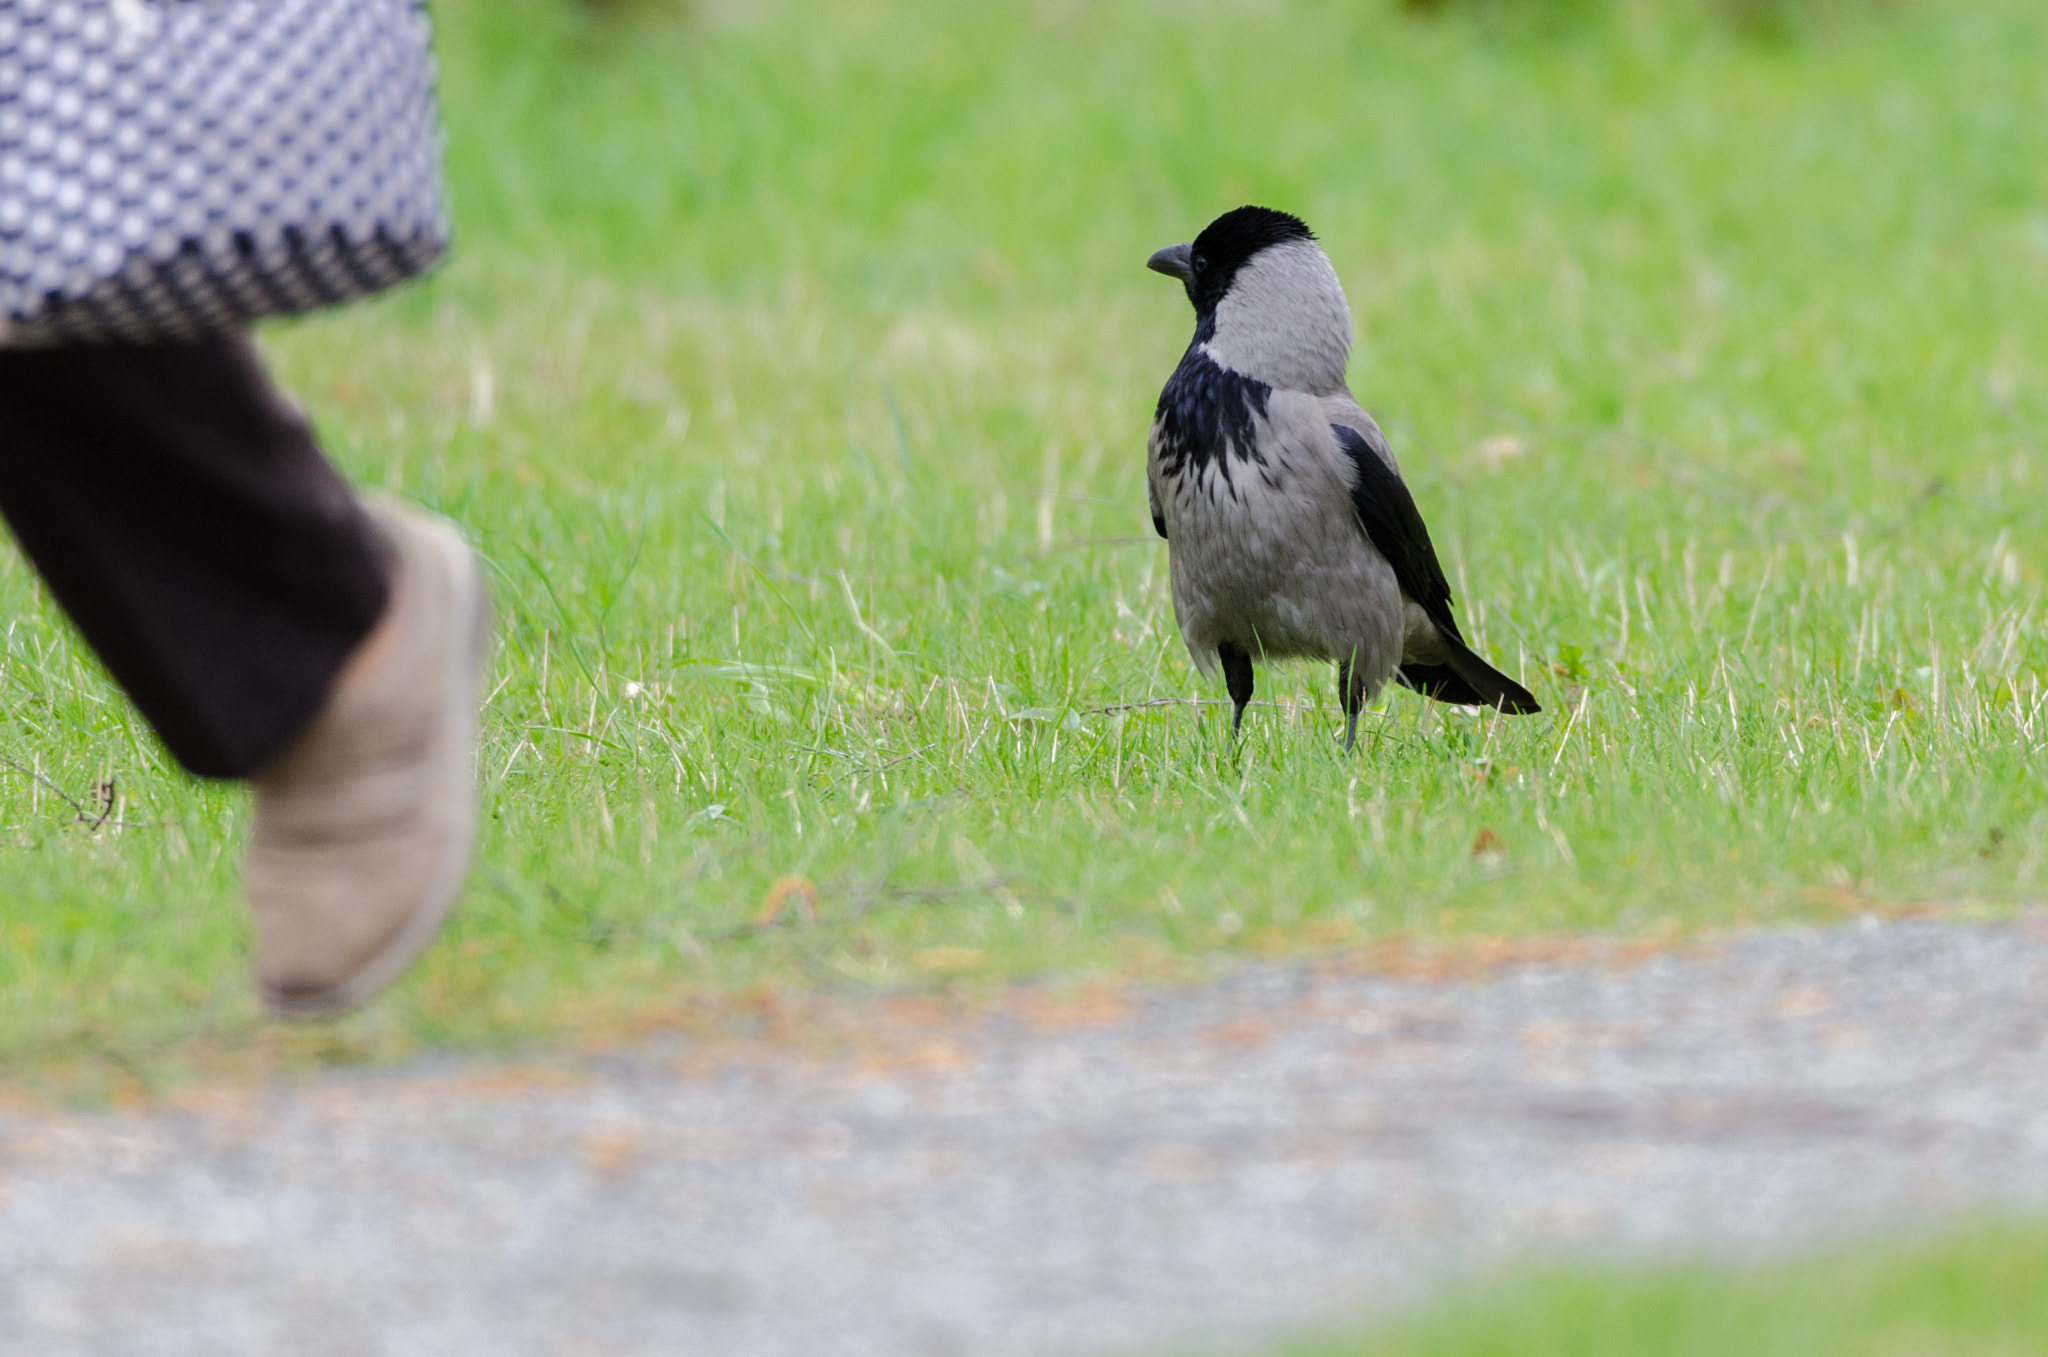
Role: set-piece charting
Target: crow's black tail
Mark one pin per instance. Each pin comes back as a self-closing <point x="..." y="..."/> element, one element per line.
<point x="1468" y="681"/>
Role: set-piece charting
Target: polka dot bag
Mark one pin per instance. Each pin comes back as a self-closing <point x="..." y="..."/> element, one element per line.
<point x="171" y="168"/>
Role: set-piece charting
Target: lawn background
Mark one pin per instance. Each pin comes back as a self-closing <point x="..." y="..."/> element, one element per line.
<point x="1977" y="1293"/>
<point x="793" y="374"/>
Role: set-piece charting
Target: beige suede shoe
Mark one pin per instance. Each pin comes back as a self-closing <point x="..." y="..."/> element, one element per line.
<point x="364" y="825"/>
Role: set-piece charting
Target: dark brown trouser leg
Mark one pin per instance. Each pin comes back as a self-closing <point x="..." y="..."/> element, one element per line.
<point x="180" y="511"/>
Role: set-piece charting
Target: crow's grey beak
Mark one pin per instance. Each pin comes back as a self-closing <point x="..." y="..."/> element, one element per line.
<point x="1173" y="261"/>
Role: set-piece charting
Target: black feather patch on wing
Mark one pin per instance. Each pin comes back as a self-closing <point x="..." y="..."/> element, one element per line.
<point x="1394" y="525"/>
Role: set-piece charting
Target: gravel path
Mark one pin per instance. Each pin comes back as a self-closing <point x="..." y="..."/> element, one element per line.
<point x="1077" y="1175"/>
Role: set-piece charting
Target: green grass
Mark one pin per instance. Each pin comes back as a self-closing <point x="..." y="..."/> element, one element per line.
<point x="1979" y="1294"/>
<point x="793" y="376"/>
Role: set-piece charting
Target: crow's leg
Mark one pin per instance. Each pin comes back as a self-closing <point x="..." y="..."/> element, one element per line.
<point x="1351" y="691"/>
<point x="1237" y="674"/>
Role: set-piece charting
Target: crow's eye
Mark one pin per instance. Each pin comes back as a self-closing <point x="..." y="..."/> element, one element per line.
<point x="1200" y="263"/>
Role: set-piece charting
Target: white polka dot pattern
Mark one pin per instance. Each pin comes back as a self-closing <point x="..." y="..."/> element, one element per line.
<point x="170" y="168"/>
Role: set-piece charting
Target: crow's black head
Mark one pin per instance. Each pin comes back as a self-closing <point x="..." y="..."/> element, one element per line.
<point x="1226" y="244"/>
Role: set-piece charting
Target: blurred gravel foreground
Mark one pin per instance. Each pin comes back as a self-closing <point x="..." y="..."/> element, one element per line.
<point x="1092" y="1172"/>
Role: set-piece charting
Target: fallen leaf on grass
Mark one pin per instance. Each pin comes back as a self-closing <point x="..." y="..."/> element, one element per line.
<point x="780" y="894"/>
<point x="1496" y="452"/>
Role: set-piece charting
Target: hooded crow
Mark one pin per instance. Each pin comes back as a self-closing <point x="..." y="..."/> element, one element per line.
<point x="1289" y="531"/>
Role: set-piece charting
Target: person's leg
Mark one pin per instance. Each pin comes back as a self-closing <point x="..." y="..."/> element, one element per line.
<point x="184" y="518"/>
<point x="270" y="627"/>
<point x="364" y="824"/>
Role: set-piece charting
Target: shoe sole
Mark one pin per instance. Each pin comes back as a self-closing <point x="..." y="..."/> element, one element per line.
<point x="462" y="679"/>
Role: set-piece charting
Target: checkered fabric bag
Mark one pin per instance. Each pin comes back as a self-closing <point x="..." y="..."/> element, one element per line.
<point x="173" y="168"/>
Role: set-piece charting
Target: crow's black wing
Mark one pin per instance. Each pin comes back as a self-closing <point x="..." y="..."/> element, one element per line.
<point x="1388" y="514"/>
<point x="1393" y="523"/>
